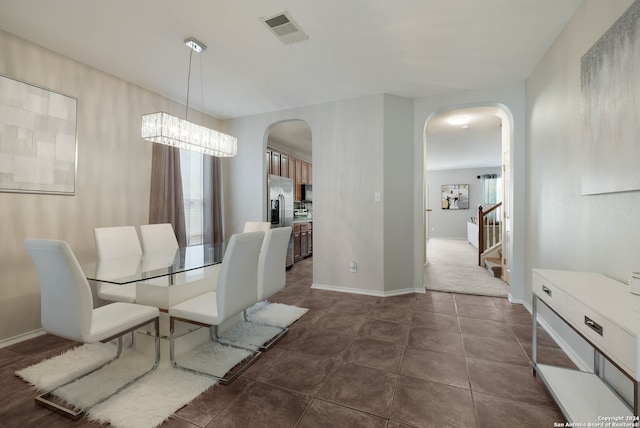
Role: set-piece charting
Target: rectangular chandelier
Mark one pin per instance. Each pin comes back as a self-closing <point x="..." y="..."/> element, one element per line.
<point x="170" y="130"/>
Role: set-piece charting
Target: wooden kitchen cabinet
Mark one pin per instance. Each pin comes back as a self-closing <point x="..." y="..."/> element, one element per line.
<point x="269" y="162"/>
<point x="284" y="165"/>
<point x="275" y="163"/>
<point x="296" y="242"/>
<point x="296" y="182"/>
<point x="304" y="177"/>
<point x="292" y="169"/>
<point x="304" y="243"/>
<point x="302" y="240"/>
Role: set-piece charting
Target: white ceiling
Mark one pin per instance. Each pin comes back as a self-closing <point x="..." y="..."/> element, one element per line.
<point x="454" y="147"/>
<point x="410" y="48"/>
<point x="294" y="135"/>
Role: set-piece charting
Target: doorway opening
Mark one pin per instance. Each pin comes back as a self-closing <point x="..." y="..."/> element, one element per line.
<point x="467" y="151"/>
<point x="288" y="158"/>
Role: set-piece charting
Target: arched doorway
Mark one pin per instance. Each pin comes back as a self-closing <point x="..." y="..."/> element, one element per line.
<point x="290" y="144"/>
<point x="468" y="146"/>
<point x="289" y="183"/>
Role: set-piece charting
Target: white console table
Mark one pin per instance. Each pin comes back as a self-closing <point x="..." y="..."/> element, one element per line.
<point x="607" y="316"/>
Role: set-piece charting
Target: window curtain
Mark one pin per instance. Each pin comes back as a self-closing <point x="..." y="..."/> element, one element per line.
<point x="212" y="200"/>
<point x="166" y="203"/>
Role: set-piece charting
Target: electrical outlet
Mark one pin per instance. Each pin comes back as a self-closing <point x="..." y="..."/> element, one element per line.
<point x="354" y="266"/>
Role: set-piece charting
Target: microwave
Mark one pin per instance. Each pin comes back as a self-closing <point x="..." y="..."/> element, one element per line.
<point x="307" y="194"/>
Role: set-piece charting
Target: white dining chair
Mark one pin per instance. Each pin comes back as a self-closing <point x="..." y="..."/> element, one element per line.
<point x="235" y="292"/>
<point x="158" y="237"/>
<point x="272" y="266"/>
<point x="67" y="311"/>
<point x="117" y="241"/>
<point x="256" y="226"/>
<point x="114" y="243"/>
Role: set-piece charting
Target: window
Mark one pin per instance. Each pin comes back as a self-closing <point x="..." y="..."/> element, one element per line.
<point x="491" y="189"/>
<point x="491" y="192"/>
<point x="192" y="183"/>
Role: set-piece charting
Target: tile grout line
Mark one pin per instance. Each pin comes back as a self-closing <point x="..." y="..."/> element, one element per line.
<point x="466" y="363"/>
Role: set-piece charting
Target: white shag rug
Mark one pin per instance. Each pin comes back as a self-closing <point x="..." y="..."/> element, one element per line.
<point x="274" y="314"/>
<point x="155" y="397"/>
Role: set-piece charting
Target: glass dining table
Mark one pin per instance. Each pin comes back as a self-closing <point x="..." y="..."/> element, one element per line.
<point x="132" y="269"/>
<point x="162" y="278"/>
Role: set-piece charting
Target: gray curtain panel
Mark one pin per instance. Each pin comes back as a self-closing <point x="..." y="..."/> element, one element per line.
<point x="166" y="203"/>
<point x="212" y="195"/>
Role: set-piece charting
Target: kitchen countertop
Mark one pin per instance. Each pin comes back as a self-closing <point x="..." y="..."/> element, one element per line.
<point x="302" y="220"/>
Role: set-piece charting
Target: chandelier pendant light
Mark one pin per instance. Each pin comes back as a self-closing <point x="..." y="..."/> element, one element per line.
<point x="170" y="130"/>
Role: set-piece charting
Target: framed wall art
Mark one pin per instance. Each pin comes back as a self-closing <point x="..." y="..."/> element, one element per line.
<point x="610" y="91"/>
<point x="38" y="139"/>
<point x="455" y="197"/>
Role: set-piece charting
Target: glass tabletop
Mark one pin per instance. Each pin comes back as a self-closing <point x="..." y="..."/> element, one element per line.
<point x="126" y="270"/>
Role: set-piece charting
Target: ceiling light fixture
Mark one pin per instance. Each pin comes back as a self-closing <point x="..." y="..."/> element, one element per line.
<point x="170" y="130"/>
<point x="459" y="120"/>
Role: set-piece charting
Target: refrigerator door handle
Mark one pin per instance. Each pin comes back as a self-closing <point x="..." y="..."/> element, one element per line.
<point x="282" y="212"/>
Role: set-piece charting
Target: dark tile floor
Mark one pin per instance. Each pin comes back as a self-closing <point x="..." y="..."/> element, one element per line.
<point x="420" y="360"/>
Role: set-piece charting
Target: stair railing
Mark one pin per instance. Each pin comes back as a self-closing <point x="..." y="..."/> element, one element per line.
<point x="489" y="228"/>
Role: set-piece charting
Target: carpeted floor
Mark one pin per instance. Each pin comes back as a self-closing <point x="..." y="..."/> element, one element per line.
<point x="452" y="266"/>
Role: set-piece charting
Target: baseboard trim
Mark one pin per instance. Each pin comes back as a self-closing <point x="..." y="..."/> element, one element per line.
<point x="365" y="292"/>
<point x="518" y="301"/>
<point x="21" y="338"/>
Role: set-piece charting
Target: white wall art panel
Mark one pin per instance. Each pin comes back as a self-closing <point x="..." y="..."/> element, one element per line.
<point x="38" y="143"/>
<point x="611" y="108"/>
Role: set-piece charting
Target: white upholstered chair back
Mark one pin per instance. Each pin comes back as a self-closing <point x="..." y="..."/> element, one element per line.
<point x="256" y="226"/>
<point x="238" y="279"/>
<point x="272" y="263"/>
<point x="158" y="237"/>
<point x="115" y="242"/>
<point x="66" y="300"/>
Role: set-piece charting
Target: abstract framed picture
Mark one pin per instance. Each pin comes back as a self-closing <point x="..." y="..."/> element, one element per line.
<point x="455" y="197"/>
<point x="38" y="139"/>
<point x="610" y="96"/>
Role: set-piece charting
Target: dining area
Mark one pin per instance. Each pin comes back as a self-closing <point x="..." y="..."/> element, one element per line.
<point x="152" y="314"/>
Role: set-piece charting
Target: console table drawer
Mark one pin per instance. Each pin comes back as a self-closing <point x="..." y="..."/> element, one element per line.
<point x="549" y="293"/>
<point x="612" y="339"/>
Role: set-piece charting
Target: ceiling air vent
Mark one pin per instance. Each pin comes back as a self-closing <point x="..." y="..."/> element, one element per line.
<point x="284" y="27"/>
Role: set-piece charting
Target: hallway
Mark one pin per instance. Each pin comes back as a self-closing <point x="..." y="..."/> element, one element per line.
<point x="452" y="266"/>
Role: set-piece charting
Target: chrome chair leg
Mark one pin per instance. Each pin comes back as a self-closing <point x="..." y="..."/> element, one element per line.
<point x="228" y="377"/>
<point x="275" y="339"/>
<point x="46" y="399"/>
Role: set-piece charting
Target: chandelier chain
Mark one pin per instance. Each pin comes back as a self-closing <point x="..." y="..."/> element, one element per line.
<point x="186" y="114"/>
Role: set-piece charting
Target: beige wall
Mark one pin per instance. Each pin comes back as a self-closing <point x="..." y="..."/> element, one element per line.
<point x="566" y="230"/>
<point x="112" y="186"/>
<point x="347" y="170"/>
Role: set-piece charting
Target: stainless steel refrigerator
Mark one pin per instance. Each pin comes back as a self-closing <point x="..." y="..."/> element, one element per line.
<point x="280" y="207"/>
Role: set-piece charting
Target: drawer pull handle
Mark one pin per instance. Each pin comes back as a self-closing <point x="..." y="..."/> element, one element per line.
<point x="593" y="325"/>
<point x="546" y="290"/>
